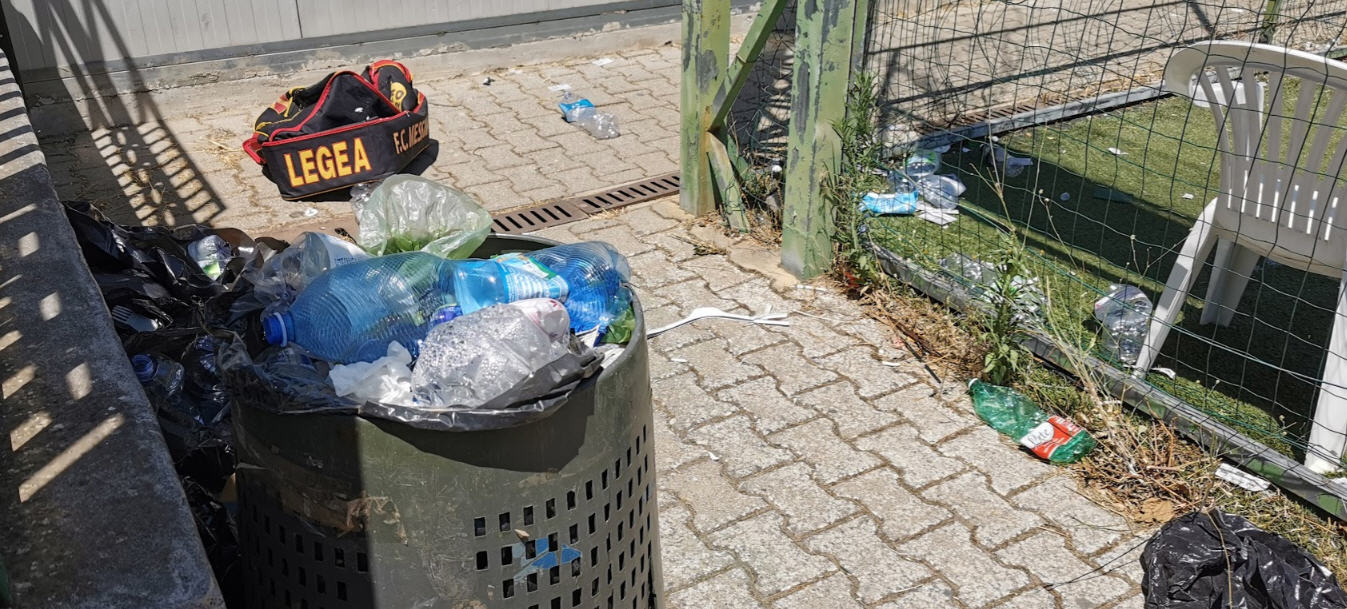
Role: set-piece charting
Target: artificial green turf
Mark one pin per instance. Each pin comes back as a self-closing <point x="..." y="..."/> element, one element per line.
<point x="1090" y="217"/>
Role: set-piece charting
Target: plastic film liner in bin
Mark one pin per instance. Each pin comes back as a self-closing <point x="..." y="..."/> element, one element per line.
<point x="303" y="389"/>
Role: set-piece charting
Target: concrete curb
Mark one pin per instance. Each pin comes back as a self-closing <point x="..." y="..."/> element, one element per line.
<point x="94" y="515"/>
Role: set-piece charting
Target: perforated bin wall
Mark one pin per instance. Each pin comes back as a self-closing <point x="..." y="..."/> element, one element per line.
<point x="340" y="512"/>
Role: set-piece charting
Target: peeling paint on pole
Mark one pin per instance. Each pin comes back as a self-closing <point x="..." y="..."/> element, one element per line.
<point x="824" y="36"/>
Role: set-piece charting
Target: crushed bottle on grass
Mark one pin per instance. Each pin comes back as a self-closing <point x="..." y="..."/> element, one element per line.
<point x="1125" y="314"/>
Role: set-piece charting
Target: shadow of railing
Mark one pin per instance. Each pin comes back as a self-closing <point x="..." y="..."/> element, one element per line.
<point x="118" y="151"/>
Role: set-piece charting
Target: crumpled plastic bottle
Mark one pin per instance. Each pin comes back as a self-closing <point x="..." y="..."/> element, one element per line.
<point x="312" y="254"/>
<point x="581" y="112"/>
<point x="476" y="358"/>
<point x="1125" y="313"/>
<point x="1052" y="438"/>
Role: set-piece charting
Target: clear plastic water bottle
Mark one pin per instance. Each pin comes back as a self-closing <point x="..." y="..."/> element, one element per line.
<point x="586" y="276"/>
<point x="352" y="312"/>
<point x="313" y="254"/>
<point x="581" y="112"/>
<point x="474" y="359"/>
<point x="212" y="254"/>
<point x="202" y="386"/>
<point x="594" y="273"/>
<point x="1125" y="313"/>
<point x="161" y="377"/>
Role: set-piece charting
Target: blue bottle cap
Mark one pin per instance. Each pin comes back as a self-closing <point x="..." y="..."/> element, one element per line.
<point x="144" y="367"/>
<point x="277" y="329"/>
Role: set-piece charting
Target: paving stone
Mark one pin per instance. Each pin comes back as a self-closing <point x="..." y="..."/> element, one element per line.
<point x="901" y="513"/>
<point x="661" y="367"/>
<point x="816" y="337"/>
<point x="685" y="557"/>
<point x="839" y="402"/>
<point x="777" y="562"/>
<point x="622" y="238"/>
<point x="1046" y="556"/>
<point x="692" y="294"/>
<point x="994" y="520"/>
<point x="916" y="462"/>
<point x="879" y="570"/>
<point x="770" y="409"/>
<point x="805" y="504"/>
<point x="977" y="578"/>
<point x="714" y="502"/>
<point x="654" y="269"/>
<point x="713" y="363"/>
<point x="927" y="595"/>
<point x="1124" y="559"/>
<point x="687" y="404"/>
<point x="932" y="419"/>
<point x="645" y="220"/>
<point x="737" y="446"/>
<point x="820" y="447"/>
<point x="671" y="452"/>
<point x="728" y="590"/>
<point x="499" y="157"/>
<point x="1059" y="500"/>
<point x="872" y="379"/>
<point x="579" y="180"/>
<point x="832" y="592"/>
<point x="497" y="195"/>
<point x="795" y="373"/>
<point x="1034" y="598"/>
<point x="717" y="272"/>
<point x="1136" y="601"/>
<point x="1007" y="466"/>
<point x="742" y="337"/>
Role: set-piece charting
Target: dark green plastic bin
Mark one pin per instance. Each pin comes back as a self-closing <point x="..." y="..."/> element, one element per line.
<point x="344" y="512"/>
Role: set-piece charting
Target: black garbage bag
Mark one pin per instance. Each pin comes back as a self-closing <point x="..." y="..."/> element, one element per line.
<point x="1215" y="560"/>
<point x="219" y="535"/>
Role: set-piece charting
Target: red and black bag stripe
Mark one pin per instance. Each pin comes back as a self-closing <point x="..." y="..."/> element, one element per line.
<point x="348" y="128"/>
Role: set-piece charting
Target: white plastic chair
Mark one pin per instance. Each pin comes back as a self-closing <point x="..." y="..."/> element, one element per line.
<point x="1280" y="197"/>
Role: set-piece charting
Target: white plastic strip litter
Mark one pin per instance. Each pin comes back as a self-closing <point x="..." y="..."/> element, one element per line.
<point x="1242" y="479"/>
<point x="705" y="312"/>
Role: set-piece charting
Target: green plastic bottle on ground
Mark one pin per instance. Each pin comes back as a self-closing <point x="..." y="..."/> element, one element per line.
<point x="1053" y="438"/>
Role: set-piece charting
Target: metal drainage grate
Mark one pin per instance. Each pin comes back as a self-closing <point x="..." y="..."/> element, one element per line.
<point x="536" y="218"/>
<point x="628" y="194"/>
<point x="579" y="208"/>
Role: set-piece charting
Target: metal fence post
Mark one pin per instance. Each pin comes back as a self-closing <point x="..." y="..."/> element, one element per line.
<point x="823" y="59"/>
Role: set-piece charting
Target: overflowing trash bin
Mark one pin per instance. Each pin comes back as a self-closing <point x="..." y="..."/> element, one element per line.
<point x="373" y="511"/>
<point x="430" y="416"/>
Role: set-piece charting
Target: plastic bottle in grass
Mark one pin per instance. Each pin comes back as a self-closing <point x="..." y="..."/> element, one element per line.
<point x="1053" y="438"/>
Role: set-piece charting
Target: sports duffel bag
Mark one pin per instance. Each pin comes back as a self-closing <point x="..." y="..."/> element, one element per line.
<point x="348" y="128"/>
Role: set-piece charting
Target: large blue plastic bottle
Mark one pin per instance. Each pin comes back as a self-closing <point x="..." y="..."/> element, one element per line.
<point x="352" y="312"/>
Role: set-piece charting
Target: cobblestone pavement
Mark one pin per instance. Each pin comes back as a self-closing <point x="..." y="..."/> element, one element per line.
<point x="819" y="466"/>
<point x="815" y="466"/>
<point x="504" y="142"/>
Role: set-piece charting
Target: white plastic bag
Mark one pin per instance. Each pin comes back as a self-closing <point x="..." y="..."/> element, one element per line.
<point x="386" y="380"/>
<point x="407" y="213"/>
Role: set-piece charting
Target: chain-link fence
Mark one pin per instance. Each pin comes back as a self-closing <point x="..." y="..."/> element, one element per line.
<point x="1050" y="113"/>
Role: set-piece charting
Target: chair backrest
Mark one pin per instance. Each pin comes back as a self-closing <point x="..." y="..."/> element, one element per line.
<point x="1282" y="144"/>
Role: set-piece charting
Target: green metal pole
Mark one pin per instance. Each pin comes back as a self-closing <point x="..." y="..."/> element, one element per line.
<point x="823" y="47"/>
<point x="706" y="50"/>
